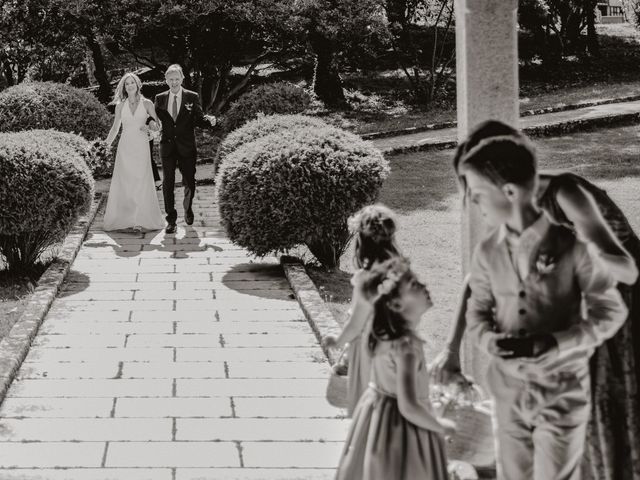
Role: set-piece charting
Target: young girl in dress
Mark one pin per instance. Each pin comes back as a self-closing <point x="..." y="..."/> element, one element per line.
<point x="395" y="434"/>
<point x="374" y="228"/>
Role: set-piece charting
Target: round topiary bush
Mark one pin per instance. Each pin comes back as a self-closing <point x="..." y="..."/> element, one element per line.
<point x="45" y="105"/>
<point x="261" y="126"/>
<point x="271" y="98"/>
<point x="298" y="186"/>
<point x="97" y="155"/>
<point x="44" y="186"/>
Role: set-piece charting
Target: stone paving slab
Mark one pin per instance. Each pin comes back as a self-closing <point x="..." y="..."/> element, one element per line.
<point x="254" y="474"/>
<point x="173" y="454"/>
<point x="170" y="357"/>
<point x="88" y="474"/>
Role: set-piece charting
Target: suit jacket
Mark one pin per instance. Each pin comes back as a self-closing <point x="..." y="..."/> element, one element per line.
<point x="178" y="137"/>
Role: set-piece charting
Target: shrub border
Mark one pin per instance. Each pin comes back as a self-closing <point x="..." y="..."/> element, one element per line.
<point x="524" y="113"/>
<point x="548" y="130"/>
<point x="320" y="319"/>
<point x="15" y="346"/>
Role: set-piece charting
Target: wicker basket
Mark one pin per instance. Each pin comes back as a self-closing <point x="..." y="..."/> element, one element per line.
<point x="337" y="386"/>
<point x="337" y="390"/>
<point x="473" y="440"/>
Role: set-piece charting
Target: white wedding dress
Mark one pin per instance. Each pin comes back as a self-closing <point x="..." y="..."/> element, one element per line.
<point x="132" y="195"/>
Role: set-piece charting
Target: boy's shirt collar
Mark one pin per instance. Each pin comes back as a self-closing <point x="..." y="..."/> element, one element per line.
<point x="537" y="230"/>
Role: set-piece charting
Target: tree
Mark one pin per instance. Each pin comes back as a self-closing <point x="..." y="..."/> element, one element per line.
<point x="331" y="26"/>
<point x="48" y="39"/>
<point x="556" y="27"/>
<point x="208" y="38"/>
<point x="422" y="37"/>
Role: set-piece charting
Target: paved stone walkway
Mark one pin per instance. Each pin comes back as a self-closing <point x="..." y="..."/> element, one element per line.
<point x="548" y="119"/>
<point x="171" y="357"/>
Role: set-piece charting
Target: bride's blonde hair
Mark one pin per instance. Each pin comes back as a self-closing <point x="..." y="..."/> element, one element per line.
<point x="121" y="94"/>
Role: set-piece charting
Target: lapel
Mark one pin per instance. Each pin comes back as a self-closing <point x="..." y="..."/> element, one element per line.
<point x="182" y="110"/>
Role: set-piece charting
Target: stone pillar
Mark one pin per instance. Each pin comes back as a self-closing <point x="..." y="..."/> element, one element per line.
<point x="487" y="88"/>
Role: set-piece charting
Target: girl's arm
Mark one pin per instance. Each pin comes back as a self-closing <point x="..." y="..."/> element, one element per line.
<point x="115" y="128"/>
<point x="360" y="311"/>
<point x="414" y="411"/>
<point x="582" y="210"/>
<point x="445" y="368"/>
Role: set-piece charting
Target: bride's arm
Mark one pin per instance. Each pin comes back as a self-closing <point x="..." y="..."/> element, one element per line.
<point x="115" y="128"/>
<point x="151" y="111"/>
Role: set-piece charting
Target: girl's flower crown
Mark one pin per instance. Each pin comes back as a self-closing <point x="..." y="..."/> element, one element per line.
<point x="390" y="281"/>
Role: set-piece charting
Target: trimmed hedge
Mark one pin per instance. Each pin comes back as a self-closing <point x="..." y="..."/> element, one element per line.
<point x="44" y="186"/>
<point x="298" y="186"/>
<point x="97" y="155"/>
<point x="261" y="126"/>
<point x="269" y="99"/>
<point x="44" y="105"/>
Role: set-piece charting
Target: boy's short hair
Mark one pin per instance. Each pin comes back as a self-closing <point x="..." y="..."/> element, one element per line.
<point x="503" y="160"/>
<point x="174" y="68"/>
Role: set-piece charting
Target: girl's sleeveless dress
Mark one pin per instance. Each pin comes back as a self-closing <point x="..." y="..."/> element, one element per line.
<point x="382" y="444"/>
<point x="613" y="449"/>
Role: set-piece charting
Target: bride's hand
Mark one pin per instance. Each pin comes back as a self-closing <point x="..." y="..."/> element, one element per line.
<point x="144" y="128"/>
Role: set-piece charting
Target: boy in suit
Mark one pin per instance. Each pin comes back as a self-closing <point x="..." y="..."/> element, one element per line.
<point x="539" y="305"/>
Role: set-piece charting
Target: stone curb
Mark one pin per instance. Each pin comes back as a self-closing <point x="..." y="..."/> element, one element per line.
<point x="548" y="130"/>
<point x="15" y="346"/>
<point x="525" y="113"/>
<point x="320" y="319"/>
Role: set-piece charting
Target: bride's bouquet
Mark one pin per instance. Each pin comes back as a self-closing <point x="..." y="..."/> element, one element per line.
<point x="154" y="132"/>
<point x="154" y="135"/>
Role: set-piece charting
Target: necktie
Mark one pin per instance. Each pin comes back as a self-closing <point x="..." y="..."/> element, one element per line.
<point x="174" y="108"/>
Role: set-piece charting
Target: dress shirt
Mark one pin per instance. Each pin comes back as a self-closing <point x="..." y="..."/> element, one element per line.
<point x="509" y="295"/>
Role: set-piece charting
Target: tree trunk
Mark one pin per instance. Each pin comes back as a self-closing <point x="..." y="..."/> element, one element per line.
<point x="592" y="35"/>
<point x="8" y="73"/>
<point x="397" y="11"/>
<point x="99" y="72"/>
<point x="326" y="75"/>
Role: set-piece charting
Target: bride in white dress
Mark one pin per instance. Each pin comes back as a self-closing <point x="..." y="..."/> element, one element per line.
<point x="133" y="202"/>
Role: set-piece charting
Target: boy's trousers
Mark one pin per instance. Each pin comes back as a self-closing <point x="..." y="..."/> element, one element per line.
<point x="540" y="421"/>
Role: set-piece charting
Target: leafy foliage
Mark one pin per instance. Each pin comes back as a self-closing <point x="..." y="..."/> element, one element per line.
<point x="44" y="186"/>
<point x="298" y="186"/>
<point x="268" y="99"/>
<point x="262" y="126"/>
<point x="53" y="105"/>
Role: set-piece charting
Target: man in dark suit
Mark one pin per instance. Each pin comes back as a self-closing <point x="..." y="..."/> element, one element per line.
<point x="179" y="110"/>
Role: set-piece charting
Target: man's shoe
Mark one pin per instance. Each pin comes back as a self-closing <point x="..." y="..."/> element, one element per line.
<point x="171" y="228"/>
<point x="188" y="217"/>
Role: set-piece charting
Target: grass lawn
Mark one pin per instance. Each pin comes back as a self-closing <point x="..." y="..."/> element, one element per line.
<point x="14" y="294"/>
<point x="422" y="190"/>
<point x="381" y="100"/>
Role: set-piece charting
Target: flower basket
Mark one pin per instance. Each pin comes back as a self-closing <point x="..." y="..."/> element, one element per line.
<point x="473" y="441"/>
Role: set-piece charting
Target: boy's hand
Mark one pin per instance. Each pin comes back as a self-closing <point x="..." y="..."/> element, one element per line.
<point x="542" y="343"/>
<point x="528" y="347"/>
<point x="517" y="347"/>
<point x="496" y="348"/>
